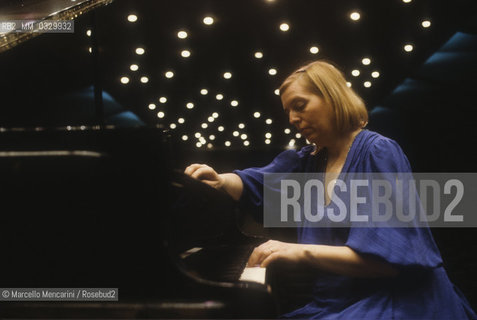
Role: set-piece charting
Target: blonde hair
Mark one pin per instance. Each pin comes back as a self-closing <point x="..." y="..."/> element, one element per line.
<point x="324" y="79"/>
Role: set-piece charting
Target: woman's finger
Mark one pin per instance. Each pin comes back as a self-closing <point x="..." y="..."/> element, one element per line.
<point x="256" y="257"/>
<point x="203" y="172"/>
<point x="190" y="169"/>
<point x="260" y="253"/>
<point x="272" y="257"/>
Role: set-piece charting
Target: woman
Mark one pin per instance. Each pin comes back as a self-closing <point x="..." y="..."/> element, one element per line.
<point x="370" y="273"/>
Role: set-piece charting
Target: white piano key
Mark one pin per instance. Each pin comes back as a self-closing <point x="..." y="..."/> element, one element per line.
<point x="255" y="274"/>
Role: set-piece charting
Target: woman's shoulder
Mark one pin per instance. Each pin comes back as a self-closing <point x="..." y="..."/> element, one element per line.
<point x="383" y="151"/>
<point x="376" y="142"/>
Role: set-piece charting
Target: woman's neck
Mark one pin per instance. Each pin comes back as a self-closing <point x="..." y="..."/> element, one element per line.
<point x="342" y="145"/>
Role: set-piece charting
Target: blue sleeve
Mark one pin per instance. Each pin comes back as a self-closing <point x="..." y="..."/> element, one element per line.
<point x="402" y="247"/>
<point x="252" y="178"/>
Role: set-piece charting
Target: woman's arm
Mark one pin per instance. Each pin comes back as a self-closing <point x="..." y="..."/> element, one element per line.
<point x="337" y="259"/>
<point x="229" y="182"/>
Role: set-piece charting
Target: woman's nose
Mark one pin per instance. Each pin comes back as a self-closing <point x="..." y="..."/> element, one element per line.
<point x="293" y="118"/>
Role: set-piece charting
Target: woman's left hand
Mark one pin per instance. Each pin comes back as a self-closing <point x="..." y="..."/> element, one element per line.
<point x="273" y="250"/>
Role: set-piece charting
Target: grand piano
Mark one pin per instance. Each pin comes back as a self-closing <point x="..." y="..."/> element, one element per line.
<point x="90" y="197"/>
<point x="97" y="209"/>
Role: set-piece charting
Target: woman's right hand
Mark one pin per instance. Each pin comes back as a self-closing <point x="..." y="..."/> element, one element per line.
<point x="205" y="174"/>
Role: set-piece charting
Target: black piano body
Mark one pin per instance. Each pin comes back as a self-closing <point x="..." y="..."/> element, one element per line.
<point x="102" y="209"/>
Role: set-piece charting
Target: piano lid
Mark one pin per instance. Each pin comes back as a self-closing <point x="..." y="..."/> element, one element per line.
<point x="39" y="10"/>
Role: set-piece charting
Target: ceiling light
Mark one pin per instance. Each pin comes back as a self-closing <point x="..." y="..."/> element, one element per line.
<point x="258" y="55"/>
<point x="160" y="114"/>
<point x="408" y="47"/>
<point x="284" y="27"/>
<point x="204" y="92"/>
<point x="132" y="18"/>
<point x="181" y="120"/>
<point x="235" y="133"/>
<point x="204" y="125"/>
<point x="215" y="115"/>
<point x="169" y="74"/>
<point x="227" y="75"/>
<point x="246" y="143"/>
<point x="426" y="24"/>
<point x="190" y="105"/>
<point x="256" y="115"/>
<point x="241" y="126"/>
<point x="314" y="50"/>
<point x="219" y="96"/>
<point x="375" y="74"/>
<point x="355" y="16"/>
<point x="185" y="138"/>
<point x="185" y="53"/>
<point x="277" y="92"/>
<point x="366" y="61"/>
<point x="140" y="51"/>
<point x="144" y="79"/>
<point x="172" y="126"/>
<point x="234" y="103"/>
<point x="208" y="21"/>
<point x="287" y="131"/>
<point x="268" y="121"/>
<point x="367" y="84"/>
<point x="182" y="34"/>
<point x="152" y="106"/>
<point x="134" y="67"/>
<point x="124" y="80"/>
<point x="268" y="135"/>
<point x="162" y="99"/>
<point x="272" y="71"/>
<point x="355" y="73"/>
<point x="220" y="128"/>
<point x="227" y="143"/>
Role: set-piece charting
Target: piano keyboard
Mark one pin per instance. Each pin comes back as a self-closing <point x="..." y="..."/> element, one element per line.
<point x="223" y="263"/>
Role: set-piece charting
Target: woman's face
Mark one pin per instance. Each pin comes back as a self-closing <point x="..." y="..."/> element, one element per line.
<point x="310" y="114"/>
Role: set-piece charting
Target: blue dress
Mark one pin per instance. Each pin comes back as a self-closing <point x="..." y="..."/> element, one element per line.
<point x="422" y="289"/>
